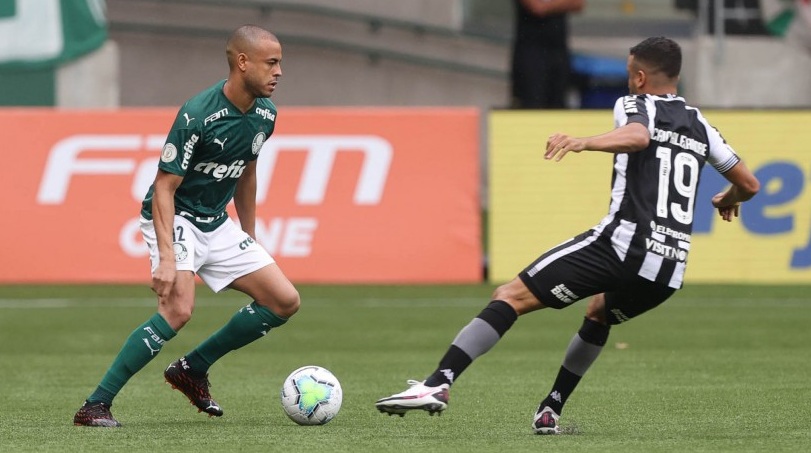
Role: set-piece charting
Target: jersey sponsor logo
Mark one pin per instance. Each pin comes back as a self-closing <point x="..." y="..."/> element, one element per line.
<point x="258" y="141"/>
<point x="169" y="152"/>
<point x="221" y="143"/>
<point x="188" y="120"/>
<point x="629" y="103"/>
<point x="221" y="171"/>
<point x="667" y="231"/>
<point x="215" y="116"/>
<point x="564" y="294"/>
<point x="266" y="114"/>
<point x="188" y="148"/>
<point x="246" y="243"/>
<point x="667" y="251"/>
<point x="676" y="139"/>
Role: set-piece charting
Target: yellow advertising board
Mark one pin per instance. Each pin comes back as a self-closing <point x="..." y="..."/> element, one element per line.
<point x="536" y="204"/>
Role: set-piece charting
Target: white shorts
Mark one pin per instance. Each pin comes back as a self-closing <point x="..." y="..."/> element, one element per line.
<point x="218" y="257"/>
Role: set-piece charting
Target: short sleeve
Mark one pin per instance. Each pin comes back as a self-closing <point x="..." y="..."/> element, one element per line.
<point x="183" y="139"/>
<point x="631" y="109"/>
<point x="720" y="155"/>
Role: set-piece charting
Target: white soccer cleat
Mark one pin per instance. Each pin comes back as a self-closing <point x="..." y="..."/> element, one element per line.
<point x="546" y="421"/>
<point x="418" y="396"/>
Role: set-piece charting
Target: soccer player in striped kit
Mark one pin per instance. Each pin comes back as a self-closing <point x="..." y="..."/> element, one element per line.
<point x="630" y="262"/>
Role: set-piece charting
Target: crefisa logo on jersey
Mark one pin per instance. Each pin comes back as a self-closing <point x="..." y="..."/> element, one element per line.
<point x="257" y="143"/>
<point x="188" y="148"/>
<point x="266" y="114"/>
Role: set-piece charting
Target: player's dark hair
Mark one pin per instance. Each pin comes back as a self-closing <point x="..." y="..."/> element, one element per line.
<point x="661" y="54"/>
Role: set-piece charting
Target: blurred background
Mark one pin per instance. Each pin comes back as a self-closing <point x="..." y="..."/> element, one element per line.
<point x="401" y="108"/>
<point x="754" y="53"/>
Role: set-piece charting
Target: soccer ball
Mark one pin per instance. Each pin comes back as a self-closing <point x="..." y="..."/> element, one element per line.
<point x="311" y="395"/>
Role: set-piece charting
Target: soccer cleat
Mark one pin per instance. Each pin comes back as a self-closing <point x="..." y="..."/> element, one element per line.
<point x="179" y="376"/>
<point x="95" y="414"/>
<point x="418" y="396"/>
<point x="546" y="421"/>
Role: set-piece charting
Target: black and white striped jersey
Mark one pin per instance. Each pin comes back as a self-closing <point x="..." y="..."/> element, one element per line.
<point x="653" y="191"/>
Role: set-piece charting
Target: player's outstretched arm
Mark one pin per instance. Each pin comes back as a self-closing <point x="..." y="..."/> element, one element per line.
<point x="744" y="186"/>
<point x="630" y="138"/>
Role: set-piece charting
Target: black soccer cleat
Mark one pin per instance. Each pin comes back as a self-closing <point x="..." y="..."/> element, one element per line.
<point x="95" y="414"/>
<point x="179" y="375"/>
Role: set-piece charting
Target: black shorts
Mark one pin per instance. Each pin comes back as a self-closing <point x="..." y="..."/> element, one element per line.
<point x="587" y="265"/>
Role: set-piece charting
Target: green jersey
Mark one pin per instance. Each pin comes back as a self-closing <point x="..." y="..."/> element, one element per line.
<point x="210" y="144"/>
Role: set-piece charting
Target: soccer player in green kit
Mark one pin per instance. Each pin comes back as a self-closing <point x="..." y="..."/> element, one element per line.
<point x="209" y="159"/>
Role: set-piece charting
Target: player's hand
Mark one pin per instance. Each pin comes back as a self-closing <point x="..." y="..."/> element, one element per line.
<point x="726" y="211"/>
<point x="559" y="144"/>
<point x="163" y="278"/>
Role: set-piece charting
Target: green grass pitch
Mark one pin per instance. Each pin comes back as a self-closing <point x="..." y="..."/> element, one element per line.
<point x="716" y="368"/>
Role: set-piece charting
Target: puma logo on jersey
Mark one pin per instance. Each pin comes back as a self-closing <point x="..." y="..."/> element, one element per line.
<point x="188" y="120"/>
<point x="222" y="171"/>
<point x="221" y="143"/>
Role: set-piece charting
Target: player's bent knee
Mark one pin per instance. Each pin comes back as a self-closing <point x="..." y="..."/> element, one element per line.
<point x="290" y="305"/>
<point x="596" y="309"/>
<point x="284" y="305"/>
<point x="500" y="293"/>
<point x="175" y="316"/>
<point x="518" y="296"/>
<point x="509" y="291"/>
